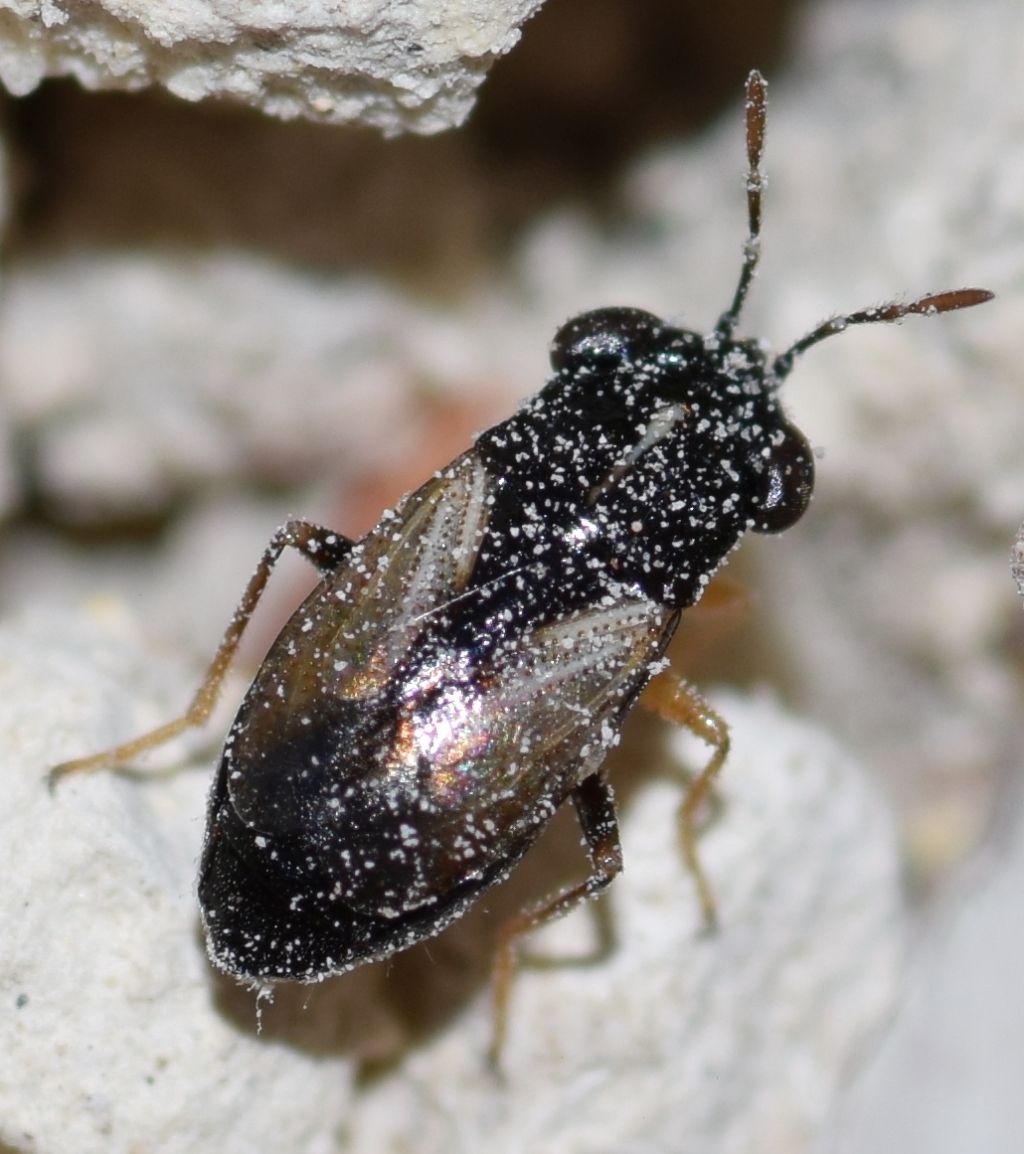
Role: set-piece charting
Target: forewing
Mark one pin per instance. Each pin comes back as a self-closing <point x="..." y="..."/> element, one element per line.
<point x="400" y="767"/>
<point x="537" y="718"/>
<point x="315" y="701"/>
<point x="480" y="763"/>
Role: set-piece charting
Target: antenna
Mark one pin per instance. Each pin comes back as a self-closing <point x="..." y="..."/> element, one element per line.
<point x="756" y="106"/>
<point x="929" y="305"/>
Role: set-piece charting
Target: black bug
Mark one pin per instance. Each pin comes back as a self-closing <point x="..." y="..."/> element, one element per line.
<point x="464" y="669"/>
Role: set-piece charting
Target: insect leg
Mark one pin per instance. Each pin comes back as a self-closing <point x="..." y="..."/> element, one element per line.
<point x="670" y="697"/>
<point x="323" y="547"/>
<point x="595" y="809"/>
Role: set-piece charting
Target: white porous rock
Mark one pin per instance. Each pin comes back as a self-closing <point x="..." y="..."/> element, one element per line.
<point x="947" y="1078"/>
<point x="119" y="1038"/>
<point x="112" y="1037"/>
<point x="399" y="65"/>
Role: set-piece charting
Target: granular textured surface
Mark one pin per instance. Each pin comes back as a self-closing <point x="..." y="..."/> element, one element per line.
<point x="412" y="65"/>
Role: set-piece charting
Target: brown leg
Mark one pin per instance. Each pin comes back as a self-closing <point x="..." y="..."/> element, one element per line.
<point x="670" y="697"/>
<point x="595" y="808"/>
<point x="323" y="547"/>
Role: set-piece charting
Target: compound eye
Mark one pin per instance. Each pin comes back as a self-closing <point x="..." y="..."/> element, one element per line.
<point x="599" y="341"/>
<point x="785" y="481"/>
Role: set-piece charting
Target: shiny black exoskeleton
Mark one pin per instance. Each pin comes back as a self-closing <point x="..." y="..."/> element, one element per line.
<point x="647" y="456"/>
<point x="604" y="504"/>
<point x="464" y="669"/>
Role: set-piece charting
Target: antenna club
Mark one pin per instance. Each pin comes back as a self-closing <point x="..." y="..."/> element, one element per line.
<point x="930" y="305"/>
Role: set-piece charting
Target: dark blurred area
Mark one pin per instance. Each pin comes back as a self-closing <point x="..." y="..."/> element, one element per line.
<point x="591" y="84"/>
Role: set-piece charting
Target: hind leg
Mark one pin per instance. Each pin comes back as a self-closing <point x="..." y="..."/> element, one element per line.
<point x="595" y="809"/>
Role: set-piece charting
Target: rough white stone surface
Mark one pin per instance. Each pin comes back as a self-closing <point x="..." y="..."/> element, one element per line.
<point x="112" y="1041"/>
<point x="400" y="65"/>
<point x="948" y="1077"/>
<point x="117" y="1038"/>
